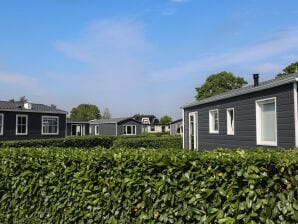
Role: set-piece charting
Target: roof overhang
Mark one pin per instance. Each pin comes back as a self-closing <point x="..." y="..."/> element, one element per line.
<point x="242" y="91"/>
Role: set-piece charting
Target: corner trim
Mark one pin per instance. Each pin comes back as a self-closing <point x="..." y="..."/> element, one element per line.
<point x="295" y="92"/>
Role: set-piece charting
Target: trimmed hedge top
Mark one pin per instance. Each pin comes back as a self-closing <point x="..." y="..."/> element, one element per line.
<point x="142" y="141"/>
<point x="148" y="186"/>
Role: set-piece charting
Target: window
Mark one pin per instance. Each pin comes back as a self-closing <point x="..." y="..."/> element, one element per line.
<point x="213" y="122"/>
<point x="129" y="129"/>
<point x="21" y="124"/>
<point x="230" y="121"/>
<point x="266" y="122"/>
<point x="193" y="130"/>
<point x="50" y="125"/>
<point x="96" y="129"/>
<point x="1" y="123"/>
<point x="145" y="120"/>
<point x="152" y="128"/>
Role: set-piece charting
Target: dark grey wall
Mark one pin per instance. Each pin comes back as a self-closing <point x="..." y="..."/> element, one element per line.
<point x="107" y="129"/>
<point x="34" y="126"/>
<point x="120" y="129"/>
<point x="245" y="120"/>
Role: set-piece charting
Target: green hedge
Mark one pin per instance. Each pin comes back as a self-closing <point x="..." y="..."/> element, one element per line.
<point x="149" y="142"/>
<point x="86" y="142"/>
<point x="148" y="186"/>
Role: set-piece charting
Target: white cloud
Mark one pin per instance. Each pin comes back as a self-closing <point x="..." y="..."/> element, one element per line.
<point x="286" y="42"/>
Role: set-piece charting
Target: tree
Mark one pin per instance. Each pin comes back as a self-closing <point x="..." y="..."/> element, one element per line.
<point x="290" y="69"/>
<point x="165" y="119"/>
<point x="106" y="114"/>
<point x="219" y="83"/>
<point x="85" y="112"/>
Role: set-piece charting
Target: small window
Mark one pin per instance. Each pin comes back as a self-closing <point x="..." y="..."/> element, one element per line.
<point x="21" y="124"/>
<point x="213" y="122"/>
<point x="50" y="125"/>
<point x="1" y="123"/>
<point x="266" y="122"/>
<point x="230" y="121"/>
<point x="145" y="120"/>
<point x="129" y="130"/>
<point x="152" y="128"/>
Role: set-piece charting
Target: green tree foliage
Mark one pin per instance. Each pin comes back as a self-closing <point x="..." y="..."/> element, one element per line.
<point x="219" y="83"/>
<point x="290" y="69"/>
<point x="85" y="112"/>
<point x="106" y="114"/>
<point x="165" y="119"/>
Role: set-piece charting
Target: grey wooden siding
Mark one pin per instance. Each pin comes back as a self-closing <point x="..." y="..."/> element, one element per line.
<point x="120" y="129"/>
<point x="107" y="129"/>
<point x="245" y="120"/>
<point x="34" y="126"/>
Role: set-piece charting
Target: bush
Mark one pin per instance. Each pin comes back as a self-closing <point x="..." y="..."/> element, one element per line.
<point x="85" y="141"/>
<point x="149" y="142"/>
<point x="148" y="186"/>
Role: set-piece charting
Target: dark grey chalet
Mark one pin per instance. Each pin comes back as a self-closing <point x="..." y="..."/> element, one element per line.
<point x="263" y="114"/>
<point x="115" y="127"/>
<point x="24" y="120"/>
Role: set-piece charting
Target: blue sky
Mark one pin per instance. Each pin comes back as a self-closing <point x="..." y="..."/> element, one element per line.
<point x="138" y="56"/>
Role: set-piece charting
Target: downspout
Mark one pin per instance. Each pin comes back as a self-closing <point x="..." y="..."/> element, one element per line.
<point x="296" y="112"/>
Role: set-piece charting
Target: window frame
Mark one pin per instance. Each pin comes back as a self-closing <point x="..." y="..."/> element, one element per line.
<point x="2" y="127"/>
<point x="230" y="129"/>
<point x="134" y="127"/>
<point x="195" y="126"/>
<point x="96" y="129"/>
<point x="47" y="116"/>
<point x="259" y="124"/>
<point x="21" y="115"/>
<point x="211" y="131"/>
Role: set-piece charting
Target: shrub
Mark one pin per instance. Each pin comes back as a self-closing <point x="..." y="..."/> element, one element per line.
<point x="148" y="186"/>
<point x="149" y="142"/>
<point x="85" y="141"/>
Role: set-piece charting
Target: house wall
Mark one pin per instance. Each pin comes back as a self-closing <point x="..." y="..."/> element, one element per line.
<point x="245" y="120"/>
<point x="120" y="129"/>
<point x="34" y="126"/>
<point x="174" y="127"/>
<point x="69" y="125"/>
<point x="107" y="129"/>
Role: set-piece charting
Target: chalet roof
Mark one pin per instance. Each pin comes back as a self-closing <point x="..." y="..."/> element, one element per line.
<point x="18" y="106"/>
<point x="248" y="89"/>
<point x="112" y="120"/>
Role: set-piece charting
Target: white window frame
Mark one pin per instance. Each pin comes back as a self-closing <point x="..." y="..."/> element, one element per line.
<point x="145" y="120"/>
<point x="2" y="128"/>
<point x="96" y="129"/>
<point x="258" y="122"/>
<point x="230" y="128"/>
<point x="211" y="131"/>
<point x="196" y="140"/>
<point x="42" y="117"/>
<point x="125" y="128"/>
<point x="21" y="115"/>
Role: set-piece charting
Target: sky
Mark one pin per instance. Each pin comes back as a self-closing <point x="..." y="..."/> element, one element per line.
<point x="138" y="56"/>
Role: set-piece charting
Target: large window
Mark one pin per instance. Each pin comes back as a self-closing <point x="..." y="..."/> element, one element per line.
<point x="152" y="128"/>
<point x="266" y="122"/>
<point x="230" y="121"/>
<point x="50" y="125"/>
<point x="21" y="124"/>
<point x="129" y="130"/>
<point x="213" y="121"/>
<point x="1" y="124"/>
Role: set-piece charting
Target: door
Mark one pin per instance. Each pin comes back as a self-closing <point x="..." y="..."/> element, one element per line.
<point x="78" y="130"/>
<point x="193" y="130"/>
